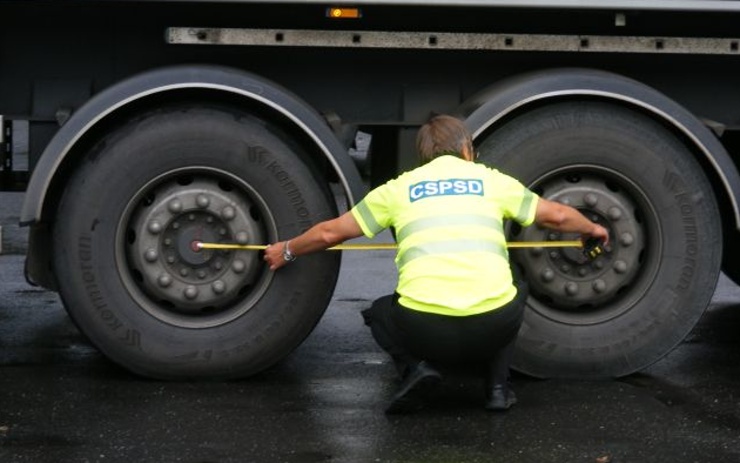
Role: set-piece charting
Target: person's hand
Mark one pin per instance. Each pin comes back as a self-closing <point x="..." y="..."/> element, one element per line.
<point x="600" y="233"/>
<point x="274" y="255"/>
<point x="594" y="242"/>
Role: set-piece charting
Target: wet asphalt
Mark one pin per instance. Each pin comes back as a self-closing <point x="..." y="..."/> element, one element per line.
<point x="61" y="401"/>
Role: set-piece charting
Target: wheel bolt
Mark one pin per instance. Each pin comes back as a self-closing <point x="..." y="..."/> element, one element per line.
<point x="164" y="280"/>
<point x="190" y="292"/>
<point x="238" y="266"/>
<point x="582" y="271"/>
<point x="571" y="288"/>
<point x="218" y="287"/>
<point x="202" y="201"/>
<point x="590" y="199"/>
<point x="626" y="239"/>
<point x="242" y="237"/>
<point x="184" y="272"/>
<point x="151" y="255"/>
<point x="228" y="213"/>
<point x="599" y="286"/>
<point x="547" y="275"/>
<point x="201" y="274"/>
<point x="154" y="227"/>
<point x="620" y="266"/>
<point x="615" y="213"/>
<point x="175" y="206"/>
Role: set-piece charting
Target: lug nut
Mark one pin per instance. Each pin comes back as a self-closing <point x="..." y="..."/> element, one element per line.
<point x="164" y="280"/>
<point x="571" y="288"/>
<point x="218" y="287"/>
<point x="175" y="206"/>
<point x="190" y="292"/>
<point x="202" y="201"/>
<point x="242" y="237"/>
<point x="154" y="227"/>
<point x="590" y="199"/>
<point x="228" y="213"/>
<point x="238" y="266"/>
<point x="151" y="255"/>
<point x="614" y="213"/>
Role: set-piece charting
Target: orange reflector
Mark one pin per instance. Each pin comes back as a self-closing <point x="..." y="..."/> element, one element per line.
<point x="343" y="13"/>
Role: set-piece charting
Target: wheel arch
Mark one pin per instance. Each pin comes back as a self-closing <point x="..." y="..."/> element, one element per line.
<point x="500" y="102"/>
<point x="235" y="88"/>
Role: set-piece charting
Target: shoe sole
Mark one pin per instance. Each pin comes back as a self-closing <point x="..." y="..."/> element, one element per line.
<point x="502" y="408"/>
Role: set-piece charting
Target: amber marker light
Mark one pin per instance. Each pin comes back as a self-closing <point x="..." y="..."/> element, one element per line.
<point x="343" y="13"/>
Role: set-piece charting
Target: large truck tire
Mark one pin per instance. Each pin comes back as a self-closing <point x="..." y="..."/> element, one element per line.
<point x="129" y="275"/>
<point x="630" y="306"/>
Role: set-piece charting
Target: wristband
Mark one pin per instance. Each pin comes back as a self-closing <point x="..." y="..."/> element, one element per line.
<point x="287" y="255"/>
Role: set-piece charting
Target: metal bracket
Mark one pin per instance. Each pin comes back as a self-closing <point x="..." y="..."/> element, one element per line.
<point x="6" y="153"/>
<point x="451" y="41"/>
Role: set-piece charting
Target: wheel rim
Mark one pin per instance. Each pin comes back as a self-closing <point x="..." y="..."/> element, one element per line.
<point x="170" y="278"/>
<point x="567" y="287"/>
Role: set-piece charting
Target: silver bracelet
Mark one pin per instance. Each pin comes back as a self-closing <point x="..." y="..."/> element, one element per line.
<point x="287" y="255"/>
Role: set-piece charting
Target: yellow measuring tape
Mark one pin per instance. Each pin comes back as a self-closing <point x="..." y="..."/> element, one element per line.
<point x="389" y="246"/>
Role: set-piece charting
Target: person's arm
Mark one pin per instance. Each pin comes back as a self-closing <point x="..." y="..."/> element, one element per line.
<point x="319" y="237"/>
<point x="560" y="217"/>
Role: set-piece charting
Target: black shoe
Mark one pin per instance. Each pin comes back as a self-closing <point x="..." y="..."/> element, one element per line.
<point x="500" y="398"/>
<point x="414" y="389"/>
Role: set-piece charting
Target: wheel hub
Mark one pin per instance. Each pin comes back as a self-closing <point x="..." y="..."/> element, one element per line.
<point x="172" y="270"/>
<point x="564" y="280"/>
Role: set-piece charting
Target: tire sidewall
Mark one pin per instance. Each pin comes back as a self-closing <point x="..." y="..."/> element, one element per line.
<point x="681" y="281"/>
<point x="88" y="252"/>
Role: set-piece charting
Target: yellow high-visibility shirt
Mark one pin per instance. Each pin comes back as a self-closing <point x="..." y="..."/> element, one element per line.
<point x="448" y="216"/>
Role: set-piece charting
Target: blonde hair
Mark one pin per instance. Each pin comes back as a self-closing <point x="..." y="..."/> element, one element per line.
<point x="442" y="135"/>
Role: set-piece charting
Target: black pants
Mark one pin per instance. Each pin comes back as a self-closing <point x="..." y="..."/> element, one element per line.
<point x="410" y="336"/>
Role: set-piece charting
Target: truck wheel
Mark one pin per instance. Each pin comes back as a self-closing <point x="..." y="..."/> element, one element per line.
<point x="630" y="306"/>
<point x="129" y="275"/>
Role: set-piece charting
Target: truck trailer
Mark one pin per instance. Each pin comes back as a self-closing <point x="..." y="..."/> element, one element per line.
<point x="151" y="125"/>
